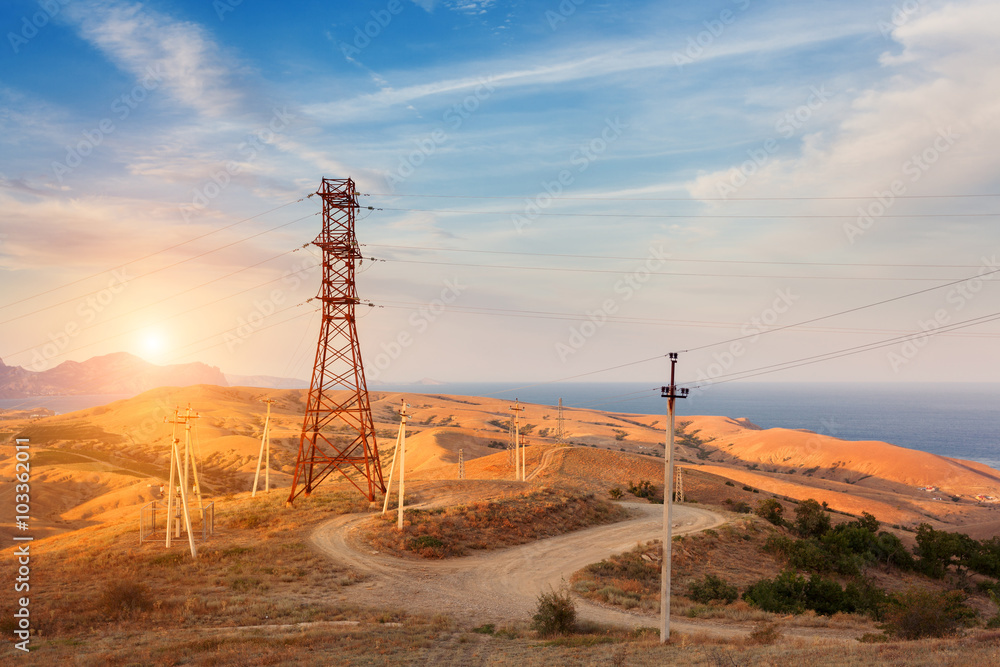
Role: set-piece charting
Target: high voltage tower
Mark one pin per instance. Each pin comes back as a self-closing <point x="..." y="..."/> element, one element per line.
<point x="338" y="394"/>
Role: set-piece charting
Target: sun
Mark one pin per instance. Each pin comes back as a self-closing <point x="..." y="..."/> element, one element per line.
<point x="153" y="344"/>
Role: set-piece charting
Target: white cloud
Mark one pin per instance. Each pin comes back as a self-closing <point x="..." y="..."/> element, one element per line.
<point x="945" y="81"/>
<point x="567" y="66"/>
<point x="194" y="70"/>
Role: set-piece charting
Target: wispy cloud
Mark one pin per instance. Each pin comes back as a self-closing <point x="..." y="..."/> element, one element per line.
<point x="943" y="80"/>
<point x="564" y="66"/>
<point x="196" y="71"/>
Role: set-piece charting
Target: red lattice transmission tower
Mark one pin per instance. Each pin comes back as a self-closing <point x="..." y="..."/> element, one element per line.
<point x="338" y="433"/>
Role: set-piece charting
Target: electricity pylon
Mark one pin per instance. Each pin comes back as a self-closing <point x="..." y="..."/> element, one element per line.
<point x="338" y="393"/>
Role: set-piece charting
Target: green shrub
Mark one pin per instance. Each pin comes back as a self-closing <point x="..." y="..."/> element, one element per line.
<point x="556" y="614"/>
<point x="865" y="597"/>
<point x="792" y="593"/>
<point x="811" y="519"/>
<point x="615" y="493"/>
<point x="785" y="594"/>
<point x="712" y="588"/>
<point x="737" y="506"/>
<point x="772" y="510"/>
<point x="425" y="541"/>
<point x="916" y="613"/>
<point x="644" y="489"/>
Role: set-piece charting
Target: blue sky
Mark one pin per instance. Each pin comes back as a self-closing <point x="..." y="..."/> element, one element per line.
<point x="560" y="187"/>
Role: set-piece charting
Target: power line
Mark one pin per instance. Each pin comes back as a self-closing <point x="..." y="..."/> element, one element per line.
<point x="697" y="216"/>
<point x="63" y="353"/>
<point x="677" y="199"/>
<point x="844" y="312"/>
<point x="671" y="259"/>
<point x="158" y="252"/>
<point x="577" y="317"/>
<point x="162" y="268"/>
<point x="560" y="269"/>
<point x="858" y="349"/>
<point x="578" y="375"/>
<point x="878" y="303"/>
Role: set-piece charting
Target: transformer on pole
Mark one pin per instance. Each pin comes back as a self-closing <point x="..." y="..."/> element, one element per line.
<point x="338" y="432"/>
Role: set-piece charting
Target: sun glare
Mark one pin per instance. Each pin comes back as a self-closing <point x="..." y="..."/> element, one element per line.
<point x="153" y="345"/>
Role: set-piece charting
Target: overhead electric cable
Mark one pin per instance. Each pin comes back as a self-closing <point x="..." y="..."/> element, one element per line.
<point x="158" y="252"/>
<point x="857" y="349"/>
<point x="162" y="268"/>
<point x="677" y="199"/>
<point x="583" y="317"/>
<point x="671" y="259"/>
<point x="697" y="216"/>
<point x="164" y="319"/>
<point x="843" y="312"/>
<point x="561" y="269"/>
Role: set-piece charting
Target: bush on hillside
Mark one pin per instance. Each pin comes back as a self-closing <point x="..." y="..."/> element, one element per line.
<point x="556" y="614"/>
<point x="915" y="614"/>
<point x="712" y="588"/>
<point x="811" y="519"/>
<point x="772" y="510"/>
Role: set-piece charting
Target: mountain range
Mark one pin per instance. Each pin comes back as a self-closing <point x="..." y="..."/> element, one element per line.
<point x="117" y="373"/>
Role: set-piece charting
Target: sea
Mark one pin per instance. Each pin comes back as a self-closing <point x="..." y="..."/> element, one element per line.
<point x="960" y="420"/>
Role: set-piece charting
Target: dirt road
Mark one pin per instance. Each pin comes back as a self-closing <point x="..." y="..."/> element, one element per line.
<point x="497" y="586"/>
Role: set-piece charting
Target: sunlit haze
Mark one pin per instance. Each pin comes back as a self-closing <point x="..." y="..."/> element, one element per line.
<point x="549" y="189"/>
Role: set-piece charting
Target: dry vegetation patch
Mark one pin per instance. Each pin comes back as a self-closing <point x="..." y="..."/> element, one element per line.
<point x="454" y="531"/>
<point x="631" y="580"/>
<point x="256" y="569"/>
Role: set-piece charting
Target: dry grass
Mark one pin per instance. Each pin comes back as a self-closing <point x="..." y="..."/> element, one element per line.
<point x="455" y="531"/>
<point x="262" y="596"/>
<point x="631" y="580"/>
<point x="242" y="576"/>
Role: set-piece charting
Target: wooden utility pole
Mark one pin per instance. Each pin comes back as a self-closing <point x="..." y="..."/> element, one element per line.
<point x="176" y="475"/>
<point x="264" y="438"/>
<point x="392" y="468"/>
<point x="402" y="462"/>
<point x="518" y="450"/>
<point x="670" y="393"/>
<point x="560" y="425"/>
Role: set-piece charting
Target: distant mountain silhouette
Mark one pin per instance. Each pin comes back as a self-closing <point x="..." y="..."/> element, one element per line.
<point x="118" y="373"/>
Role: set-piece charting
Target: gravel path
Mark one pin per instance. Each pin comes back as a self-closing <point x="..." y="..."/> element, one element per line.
<point x="497" y="586"/>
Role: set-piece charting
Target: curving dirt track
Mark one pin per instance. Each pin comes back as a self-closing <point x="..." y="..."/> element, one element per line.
<point x="497" y="586"/>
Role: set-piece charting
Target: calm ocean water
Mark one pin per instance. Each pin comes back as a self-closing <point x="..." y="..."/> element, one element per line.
<point x="958" y="420"/>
